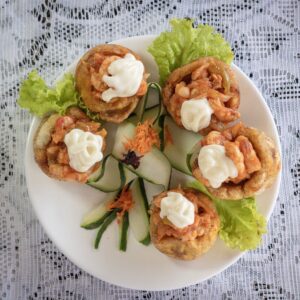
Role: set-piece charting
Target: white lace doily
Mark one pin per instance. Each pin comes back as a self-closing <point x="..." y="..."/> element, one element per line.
<point x="48" y="35"/>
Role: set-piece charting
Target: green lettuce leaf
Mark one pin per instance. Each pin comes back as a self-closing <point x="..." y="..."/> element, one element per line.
<point x="241" y="225"/>
<point x="40" y="99"/>
<point x="183" y="44"/>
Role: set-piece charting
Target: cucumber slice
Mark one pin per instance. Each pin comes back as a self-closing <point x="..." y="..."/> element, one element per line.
<point x="123" y="232"/>
<point x="129" y="176"/>
<point x="138" y="214"/>
<point x="96" y="217"/>
<point x="153" y="167"/>
<point x="111" y="177"/>
<point x="183" y="143"/>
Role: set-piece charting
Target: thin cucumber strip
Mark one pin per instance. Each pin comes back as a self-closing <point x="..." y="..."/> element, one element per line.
<point x="99" y="172"/>
<point x="138" y="214"/>
<point x="153" y="166"/>
<point x="112" y="176"/>
<point x="104" y="226"/>
<point x="156" y="87"/>
<point x="178" y="143"/>
<point x="96" y="217"/>
<point x="123" y="232"/>
<point x="141" y="108"/>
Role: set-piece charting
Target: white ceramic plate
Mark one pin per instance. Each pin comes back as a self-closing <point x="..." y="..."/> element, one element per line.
<point x="60" y="207"/>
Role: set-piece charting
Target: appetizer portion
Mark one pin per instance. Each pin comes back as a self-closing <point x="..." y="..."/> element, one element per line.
<point x="183" y="223"/>
<point x="237" y="162"/>
<point x="202" y="94"/>
<point x="111" y="80"/>
<point x="69" y="147"/>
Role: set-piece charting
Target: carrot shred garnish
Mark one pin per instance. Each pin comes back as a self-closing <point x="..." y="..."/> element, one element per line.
<point x="145" y="137"/>
<point x="124" y="203"/>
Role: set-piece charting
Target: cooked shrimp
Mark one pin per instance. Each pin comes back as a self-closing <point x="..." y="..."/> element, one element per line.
<point x="62" y="125"/>
<point x="202" y="84"/>
<point x="200" y="72"/>
<point x="234" y="153"/>
<point x="63" y="157"/>
<point x="232" y="132"/>
<point x="214" y="137"/>
<point x="216" y="80"/>
<point x="211" y="93"/>
<point x="251" y="160"/>
<point x="223" y="113"/>
<point x="182" y="90"/>
<point x="96" y="77"/>
<point x="234" y="101"/>
<point x="52" y="152"/>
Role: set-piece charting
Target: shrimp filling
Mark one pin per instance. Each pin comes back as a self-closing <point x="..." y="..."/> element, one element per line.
<point x="225" y="157"/>
<point x="119" y="77"/>
<point x="212" y="83"/>
<point x="202" y="220"/>
<point x="58" y="158"/>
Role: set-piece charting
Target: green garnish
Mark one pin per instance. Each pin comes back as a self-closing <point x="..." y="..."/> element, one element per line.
<point x="184" y="43"/>
<point x="241" y="225"/>
<point x="40" y="99"/>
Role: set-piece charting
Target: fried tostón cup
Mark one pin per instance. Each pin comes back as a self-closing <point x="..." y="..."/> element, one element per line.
<point x="88" y="76"/>
<point x="192" y="241"/>
<point x="260" y="162"/>
<point x="209" y="78"/>
<point x="50" y="151"/>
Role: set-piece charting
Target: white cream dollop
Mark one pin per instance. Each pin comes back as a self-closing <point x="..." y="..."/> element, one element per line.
<point x="178" y="209"/>
<point x="126" y="76"/>
<point x="84" y="149"/>
<point x="195" y="114"/>
<point x="215" y="166"/>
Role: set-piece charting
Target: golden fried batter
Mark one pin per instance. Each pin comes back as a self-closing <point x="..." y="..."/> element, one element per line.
<point x="192" y="241"/>
<point x="257" y="168"/>
<point x="50" y="151"/>
<point x="206" y="77"/>
<point x="89" y="72"/>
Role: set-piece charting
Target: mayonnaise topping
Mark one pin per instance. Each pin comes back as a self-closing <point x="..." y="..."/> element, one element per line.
<point x="178" y="209"/>
<point x="195" y="114"/>
<point x="215" y="166"/>
<point x="126" y="76"/>
<point x="84" y="149"/>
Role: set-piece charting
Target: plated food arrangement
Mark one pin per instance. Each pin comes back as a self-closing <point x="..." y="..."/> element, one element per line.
<point x="192" y="124"/>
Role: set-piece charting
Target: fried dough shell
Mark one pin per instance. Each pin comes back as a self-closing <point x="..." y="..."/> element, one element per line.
<point x="260" y="180"/>
<point x="184" y="74"/>
<point x="186" y="249"/>
<point x="118" y="109"/>
<point x="43" y="138"/>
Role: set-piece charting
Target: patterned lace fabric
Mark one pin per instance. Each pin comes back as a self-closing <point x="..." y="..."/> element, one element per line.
<point x="48" y="35"/>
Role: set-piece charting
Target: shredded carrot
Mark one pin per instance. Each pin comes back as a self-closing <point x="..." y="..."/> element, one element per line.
<point x="145" y="137"/>
<point x="124" y="202"/>
<point x="168" y="136"/>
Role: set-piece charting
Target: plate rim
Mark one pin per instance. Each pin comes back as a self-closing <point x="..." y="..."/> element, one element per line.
<point x="81" y="266"/>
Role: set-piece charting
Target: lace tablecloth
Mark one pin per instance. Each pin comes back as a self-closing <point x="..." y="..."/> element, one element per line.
<point x="48" y="35"/>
